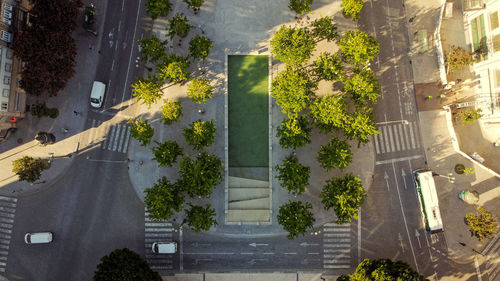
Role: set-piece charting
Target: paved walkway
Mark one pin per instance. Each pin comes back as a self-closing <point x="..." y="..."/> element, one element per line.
<point x="251" y="277"/>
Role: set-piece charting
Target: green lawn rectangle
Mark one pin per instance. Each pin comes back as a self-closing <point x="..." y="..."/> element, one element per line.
<point x="248" y="111"/>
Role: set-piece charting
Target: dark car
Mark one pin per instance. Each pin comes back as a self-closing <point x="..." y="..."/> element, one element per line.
<point x="89" y="19"/>
<point x="45" y="138"/>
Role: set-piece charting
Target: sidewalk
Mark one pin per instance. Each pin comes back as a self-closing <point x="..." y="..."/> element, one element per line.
<point x="72" y="98"/>
<point x="251" y="277"/>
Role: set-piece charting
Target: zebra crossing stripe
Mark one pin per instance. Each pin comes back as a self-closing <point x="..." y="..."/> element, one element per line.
<point x="386" y="140"/>
<point x="116" y="137"/>
<point x="405" y="131"/>
<point x="335" y="266"/>
<point x="400" y="131"/>
<point x="158" y="234"/>
<point x="339" y="257"/>
<point x="396" y="139"/>
<point x="389" y="128"/>
<point x="341" y="245"/>
<point x="92" y="131"/>
<point x="336" y="240"/>
<point x="122" y="136"/>
<point x="111" y="136"/>
<point x="337" y="229"/>
<point x="125" y="145"/>
<point x="8" y="210"/>
<point x="159" y="229"/>
<point x="105" y="131"/>
<point x="381" y="140"/>
<point x="10" y="199"/>
<point x="345" y="251"/>
<point x="157" y="224"/>
<point x="412" y="138"/>
<point x="375" y="138"/>
<point x="338" y="234"/>
<point x="337" y="225"/>
<point x="416" y="134"/>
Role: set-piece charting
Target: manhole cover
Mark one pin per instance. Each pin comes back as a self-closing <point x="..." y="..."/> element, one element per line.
<point x="19" y="140"/>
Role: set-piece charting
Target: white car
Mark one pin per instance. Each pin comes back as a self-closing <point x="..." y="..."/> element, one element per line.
<point x="38" y="237"/>
<point x="97" y="94"/>
<point x="164" y="247"/>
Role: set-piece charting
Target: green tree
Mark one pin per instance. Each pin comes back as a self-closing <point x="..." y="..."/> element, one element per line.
<point x="292" y="90"/>
<point x="352" y="8"/>
<point x="29" y="169"/>
<point x="294" y="133"/>
<point x="296" y="218"/>
<point x="201" y="219"/>
<point x="328" y="67"/>
<point x="194" y="4"/>
<point x="174" y="72"/>
<point x="124" y="264"/>
<point x="324" y="28"/>
<point x="200" y="134"/>
<point x="199" y="47"/>
<point x="199" y="90"/>
<point x="178" y="25"/>
<point x="358" y="47"/>
<point x="147" y="90"/>
<point x="483" y="224"/>
<point x="345" y="195"/>
<point x="383" y="269"/>
<point x="360" y="125"/>
<point x="470" y="115"/>
<point x="171" y="111"/>
<point x="363" y="87"/>
<point x="152" y="48"/>
<point x="300" y="6"/>
<point x="293" y="46"/>
<point x="329" y="112"/>
<point x="158" y="8"/>
<point x="141" y="131"/>
<point x="336" y="153"/>
<point x="163" y="199"/>
<point x="199" y="177"/>
<point x="166" y="153"/>
<point x="458" y="57"/>
<point x="293" y="175"/>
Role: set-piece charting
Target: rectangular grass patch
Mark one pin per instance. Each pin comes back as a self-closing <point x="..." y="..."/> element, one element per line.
<point x="248" y="131"/>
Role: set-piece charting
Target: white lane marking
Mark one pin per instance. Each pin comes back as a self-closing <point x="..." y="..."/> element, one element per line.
<point x="381" y="140"/>
<point x="416" y="134"/>
<point x="113" y="65"/>
<point x="208" y="253"/>
<point x="407" y="141"/>
<point x="268" y="253"/>
<point x="292" y="253"/>
<point x="181" y="250"/>
<point x="246" y="253"/>
<point x="391" y="140"/>
<point x="111" y="136"/>
<point x="120" y="23"/>
<point x="337" y="251"/>
<point x="131" y="50"/>
<point x="386" y="141"/>
<point x="476" y="264"/>
<point x="404" y="218"/>
<point x="376" y="144"/>
<point x="400" y="130"/>
<point x="398" y="159"/>
<point x="412" y="137"/>
<point x="396" y="138"/>
<point x="125" y="145"/>
<point x="123" y="5"/>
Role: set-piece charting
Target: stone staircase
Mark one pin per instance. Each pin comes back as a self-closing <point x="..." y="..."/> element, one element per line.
<point x="248" y="200"/>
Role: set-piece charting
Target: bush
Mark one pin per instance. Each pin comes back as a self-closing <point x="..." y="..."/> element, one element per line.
<point x="470" y="115"/>
<point x="40" y="110"/>
<point x="483" y="225"/>
<point x="458" y="57"/>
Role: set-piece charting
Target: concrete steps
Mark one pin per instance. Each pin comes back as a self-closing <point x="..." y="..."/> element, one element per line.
<point x="248" y="200"/>
<point x="236" y="182"/>
<point x="248" y="215"/>
<point x="253" y="204"/>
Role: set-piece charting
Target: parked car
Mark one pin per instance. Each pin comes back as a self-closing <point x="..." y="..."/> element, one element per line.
<point x="164" y="247"/>
<point x="38" y="237"/>
<point x="45" y="138"/>
<point x="97" y="94"/>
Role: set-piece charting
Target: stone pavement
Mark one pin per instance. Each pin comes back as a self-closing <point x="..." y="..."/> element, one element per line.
<point x="251" y="277"/>
<point x="75" y="97"/>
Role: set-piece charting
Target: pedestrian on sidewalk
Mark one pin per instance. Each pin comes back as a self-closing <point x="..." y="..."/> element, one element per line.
<point x="75" y="112"/>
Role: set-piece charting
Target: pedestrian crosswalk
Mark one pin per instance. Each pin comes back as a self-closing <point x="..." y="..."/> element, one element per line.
<point x="157" y="231"/>
<point x="336" y="246"/>
<point x="7" y="213"/>
<point x="400" y="136"/>
<point x="113" y="137"/>
<point x="492" y="256"/>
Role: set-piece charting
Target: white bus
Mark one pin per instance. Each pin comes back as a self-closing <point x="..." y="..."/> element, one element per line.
<point x="429" y="202"/>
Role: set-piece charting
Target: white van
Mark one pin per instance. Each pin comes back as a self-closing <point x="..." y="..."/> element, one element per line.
<point x="164" y="247"/>
<point x="97" y="94"/>
<point x="38" y="238"/>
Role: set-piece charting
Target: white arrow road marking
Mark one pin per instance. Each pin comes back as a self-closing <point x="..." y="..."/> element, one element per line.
<point x="417" y="235"/>
<point x="400" y="238"/>
<point x="255" y="244"/>
<point x="403" y="174"/>
<point x="386" y="178"/>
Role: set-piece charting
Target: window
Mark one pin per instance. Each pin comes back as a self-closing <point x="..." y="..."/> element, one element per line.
<point x="9" y="54"/>
<point x="6" y="80"/>
<point x="8" y="7"/>
<point x="5" y="93"/>
<point x="494" y="20"/>
<point x="7" y="14"/>
<point x="497" y="74"/>
<point x="4" y="105"/>
<point x="8" y="67"/>
<point x="6" y="36"/>
<point x="496" y="43"/>
<point x="7" y="21"/>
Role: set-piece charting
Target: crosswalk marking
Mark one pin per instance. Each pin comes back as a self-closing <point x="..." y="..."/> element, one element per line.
<point x="396" y="137"/>
<point x="112" y="137"/>
<point x="337" y="244"/>
<point x="155" y="231"/>
<point x="7" y="214"/>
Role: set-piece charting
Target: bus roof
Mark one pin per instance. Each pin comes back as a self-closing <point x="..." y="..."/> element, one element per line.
<point x="430" y="200"/>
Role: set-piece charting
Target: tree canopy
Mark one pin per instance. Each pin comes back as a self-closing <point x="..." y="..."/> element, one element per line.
<point x="199" y="177"/>
<point x="171" y="111"/>
<point x="358" y="47"/>
<point x="163" y="199"/>
<point x="174" y="72"/>
<point x="199" y="47"/>
<point x="199" y="90"/>
<point x="178" y="25"/>
<point x="166" y="152"/>
<point x="147" y="90"/>
<point x="381" y="270"/>
<point x="363" y="87"/>
<point x="141" y="131"/>
<point x="46" y="47"/>
<point x="195" y="4"/>
<point x="352" y="8"/>
<point x="294" y="133"/>
<point x="292" y="90"/>
<point x="336" y="153"/>
<point x="296" y="218"/>
<point x="293" y="46"/>
<point x="29" y="169"/>
<point x="345" y="195"/>
<point x="124" y="265"/>
<point x="300" y="6"/>
<point x="483" y="224"/>
<point x="292" y="175"/>
<point x="360" y="125"/>
<point x="328" y="67"/>
<point x="158" y="8"/>
<point x="152" y="48"/>
<point x="201" y="219"/>
<point x="329" y="112"/>
<point x="200" y="134"/>
<point x="324" y="28"/>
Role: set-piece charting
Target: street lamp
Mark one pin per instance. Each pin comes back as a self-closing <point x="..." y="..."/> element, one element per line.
<point x="139" y="62"/>
<point x="404" y="122"/>
<point x="449" y="176"/>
